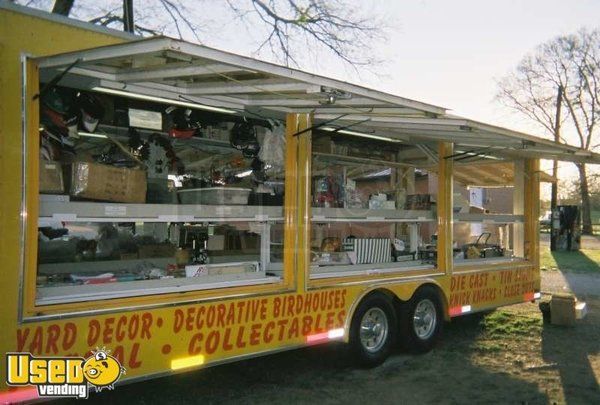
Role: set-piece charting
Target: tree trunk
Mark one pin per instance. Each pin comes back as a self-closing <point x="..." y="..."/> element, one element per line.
<point x="62" y="7"/>
<point x="586" y="208"/>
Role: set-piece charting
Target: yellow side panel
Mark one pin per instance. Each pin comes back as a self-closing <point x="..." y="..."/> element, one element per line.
<point x="22" y="34"/>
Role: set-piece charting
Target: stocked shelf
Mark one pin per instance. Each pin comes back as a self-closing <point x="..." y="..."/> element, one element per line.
<point x="367" y="215"/>
<point x="490" y="218"/>
<point x="116" y="212"/>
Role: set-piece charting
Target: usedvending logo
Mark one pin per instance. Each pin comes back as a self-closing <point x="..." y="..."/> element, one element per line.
<point x="64" y="376"/>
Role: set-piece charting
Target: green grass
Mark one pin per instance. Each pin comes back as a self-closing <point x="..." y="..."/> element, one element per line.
<point x="504" y="324"/>
<point x="584" y="261"/>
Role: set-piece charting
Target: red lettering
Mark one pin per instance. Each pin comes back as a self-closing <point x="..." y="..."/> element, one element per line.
<point x="267" y="335"/>
<point x="276" y="305"/>
<point x="119" y="354"/>
<point x="307" y="323"/>
<point x="255" y="334"/>
<point x="134" y="325"/>
<point x="22" y="335"/>
<point x="120" y="334"/>
<point x="263" y="309"/>
<point x="93" y="332"/>
<point x="212" y="341"/>
<point x="200" y="317"/>
<point x="239" y="342"/>
<point x="294" y="328"/>
<point x="189" y="320"/>
<point x="70" y="335"/>
<point x="194" y="346"/>
<point x="341" y="318"/>
<point x="221" y="316"/>
<point x="281" y="323"/>
<point x="133" y="361"/>
<point x="146" y="323"/>
<point x="226" y="343"/>
<point x="53" y="333"/>
<point x="178" y="321"/>
<point x="329" y="321"/>
<point x="108" y="330"/>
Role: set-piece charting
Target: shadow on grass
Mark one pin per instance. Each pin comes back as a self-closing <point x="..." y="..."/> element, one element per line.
<point x="325" y="375"/>
<point x="576" y="261"/>
<point x="571" y="349"/>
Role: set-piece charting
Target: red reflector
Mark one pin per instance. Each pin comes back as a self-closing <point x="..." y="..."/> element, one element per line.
<point x="455" y="311"/>
<point x="529" y="296"/>
<point x="318" y="337"/>
<point x="13" y="396"/>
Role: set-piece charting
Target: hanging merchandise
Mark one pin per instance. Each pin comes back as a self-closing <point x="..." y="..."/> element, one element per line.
<point x="182" y="126"/>
<point x="58" y="114"/>
<point x="91" y="110"/>
<point x="272" y="151"/>
<point x="243" y="138"/>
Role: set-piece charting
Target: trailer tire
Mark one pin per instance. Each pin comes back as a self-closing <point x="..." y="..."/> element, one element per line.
<point x="373" y="331"/>
<point x="422" y="320"/>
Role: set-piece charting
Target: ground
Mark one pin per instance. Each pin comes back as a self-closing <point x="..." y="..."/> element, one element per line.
<point x="507" y="356"/>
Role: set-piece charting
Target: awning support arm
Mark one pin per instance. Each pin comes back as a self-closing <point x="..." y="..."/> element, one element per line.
<point x="319" y="125"/>
<point x="56" y="79"/>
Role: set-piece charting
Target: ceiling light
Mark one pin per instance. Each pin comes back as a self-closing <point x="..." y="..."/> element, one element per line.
<point x="162" y="100"/>
<point x="361" y="134"/>
<point x="244" y="174"/>
<point x="91" y="135"/>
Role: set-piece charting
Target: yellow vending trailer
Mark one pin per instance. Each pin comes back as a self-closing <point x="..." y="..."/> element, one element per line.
<point x="168" y="206"/>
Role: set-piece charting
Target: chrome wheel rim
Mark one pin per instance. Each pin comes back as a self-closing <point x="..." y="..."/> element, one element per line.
<point x="424" y="319"/>
<point x="373" y="329"/>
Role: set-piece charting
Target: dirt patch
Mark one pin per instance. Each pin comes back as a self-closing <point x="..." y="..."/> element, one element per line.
<point x="507" y="356"/>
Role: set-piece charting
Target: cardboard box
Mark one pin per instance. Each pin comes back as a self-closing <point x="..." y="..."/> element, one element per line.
<point x="96" y="181"/>
<point x="562" y="309"/>
<point x="51" y="177"/>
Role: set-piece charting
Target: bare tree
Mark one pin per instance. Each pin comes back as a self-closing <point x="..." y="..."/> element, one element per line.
<point x="573" y="62"/>
<point x="333" y="25"/>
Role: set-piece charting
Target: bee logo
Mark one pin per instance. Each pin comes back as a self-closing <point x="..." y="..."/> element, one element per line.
<point x="102" y="370"/>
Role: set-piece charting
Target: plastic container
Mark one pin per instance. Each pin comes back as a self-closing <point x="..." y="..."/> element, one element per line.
<point x="215" y="196"/>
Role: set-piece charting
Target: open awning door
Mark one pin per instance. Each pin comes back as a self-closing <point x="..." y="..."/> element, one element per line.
<point x="177" y="71"/>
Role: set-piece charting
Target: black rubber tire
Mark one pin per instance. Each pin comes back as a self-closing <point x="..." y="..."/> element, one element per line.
<point x="408" y="336"/>
<point x="361" y="355"/>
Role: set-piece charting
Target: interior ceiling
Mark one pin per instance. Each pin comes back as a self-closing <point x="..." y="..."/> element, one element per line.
<point x="168" y="68"/>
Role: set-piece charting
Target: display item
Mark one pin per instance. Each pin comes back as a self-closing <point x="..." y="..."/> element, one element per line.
<point x="91" y="110"/>
<point x="369" y="250"/>
<point x="243" y="137"/>
<point x="108" y="183"/>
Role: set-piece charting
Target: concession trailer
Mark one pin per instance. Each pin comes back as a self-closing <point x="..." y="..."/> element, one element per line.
<point x="181" y="206"/>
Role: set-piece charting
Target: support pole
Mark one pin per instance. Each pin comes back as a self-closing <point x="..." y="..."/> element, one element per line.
<point x="298" y="199"/>
<point x="554" y="198"/>
<point x="519" y="208"/>
<point x="532" y="211"/>
<point x="445" y="259"/>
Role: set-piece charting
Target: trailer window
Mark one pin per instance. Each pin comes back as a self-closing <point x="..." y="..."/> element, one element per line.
<point x="373" y="209"/>
<point x="488" y="220"/>
<point x="178" y="201"/>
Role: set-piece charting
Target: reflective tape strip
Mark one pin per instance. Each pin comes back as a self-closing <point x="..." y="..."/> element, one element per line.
<point x="324" y="336"/>
<point x="454" y="311"/>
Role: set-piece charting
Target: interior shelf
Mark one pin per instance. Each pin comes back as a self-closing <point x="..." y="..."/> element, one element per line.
<point x="74" y="211"/>
<point x="490" y="218"/>
<point x="367" y="215"/>
<point x="118" y="212"/>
